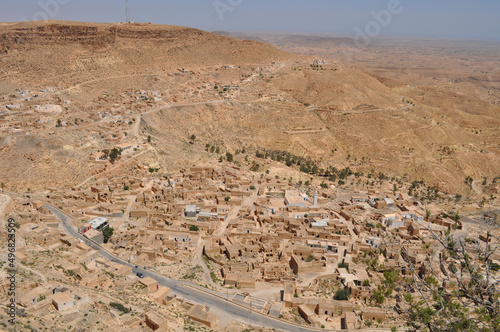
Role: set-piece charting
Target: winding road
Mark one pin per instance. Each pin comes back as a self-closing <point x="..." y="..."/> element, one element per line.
<point x="476" y="187"/>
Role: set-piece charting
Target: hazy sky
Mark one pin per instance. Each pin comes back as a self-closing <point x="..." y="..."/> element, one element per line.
<point x="478" y="19"/>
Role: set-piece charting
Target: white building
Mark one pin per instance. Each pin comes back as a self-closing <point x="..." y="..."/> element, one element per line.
<point x="99" y="223"/>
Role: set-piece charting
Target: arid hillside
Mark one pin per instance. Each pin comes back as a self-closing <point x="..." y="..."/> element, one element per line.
<point x="166" y="84"/>
<point x="64" y="53"/>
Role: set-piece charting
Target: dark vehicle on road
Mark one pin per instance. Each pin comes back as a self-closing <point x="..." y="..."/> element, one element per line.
<point x="140" y="275"/>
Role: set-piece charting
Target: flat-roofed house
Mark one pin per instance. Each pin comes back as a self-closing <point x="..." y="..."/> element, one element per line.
<point x="348" y="321"/>
<point x="98" y="156"/>
<point x="95" y="236"/>
<point x="67" y="300"/>
<point x="34" y="296"/>
<point x="85" y="227"/>
<point x="99" y="223"/>
<point x="150" y="283"/>
<point x="306" y="313"/>
<point x="161" y="295"/>
<point x="200" y="314"/>
<point x="191" y="211"/>
<point x="294" y="198"/>
<point x="126" y="147"/>
<point x="155" y="321"/>
<point x="373" y="313"/>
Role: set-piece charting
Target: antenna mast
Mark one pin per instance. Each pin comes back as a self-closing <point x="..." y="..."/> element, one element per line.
<point x="127" y="12"/>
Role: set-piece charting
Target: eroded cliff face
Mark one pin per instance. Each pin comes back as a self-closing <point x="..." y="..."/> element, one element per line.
<point x="23" y="35"/>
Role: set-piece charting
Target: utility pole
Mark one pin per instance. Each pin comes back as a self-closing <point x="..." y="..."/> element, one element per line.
<point x="127" y="12"/>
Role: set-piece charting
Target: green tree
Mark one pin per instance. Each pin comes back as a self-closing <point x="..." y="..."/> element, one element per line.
<point x="106" y="153"/>
<point x="255" y="167"/>
<point x="107" y="233"/>
<point x="342" y="294"/>
<point x="452" y="267"/>
<point x="469" y="180"/>
<point x="343" y="265"/>
<point x="472" y="304"/>
<point x="194" y="228"/>
<point x="120" y="307"/>
<point x="390" y="277"/>
<point x="378" y="295"/>
<point x="229" y="157"/>
<point x="114" y="155"/>
<point x="310" y="258"/>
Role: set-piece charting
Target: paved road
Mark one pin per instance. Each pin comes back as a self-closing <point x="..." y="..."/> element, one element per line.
<point x="188" y="291"/>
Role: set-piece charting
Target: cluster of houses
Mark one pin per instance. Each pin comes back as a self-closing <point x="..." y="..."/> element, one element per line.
<point x="81" y="266"/>
<point x="253" y="229"/>
<point x="44" y="111"/>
